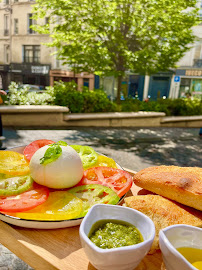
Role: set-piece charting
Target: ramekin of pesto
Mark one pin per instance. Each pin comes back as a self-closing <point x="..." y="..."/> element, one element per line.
<point x="108" y="234"/>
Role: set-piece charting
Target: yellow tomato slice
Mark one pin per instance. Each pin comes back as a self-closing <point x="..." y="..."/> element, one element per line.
<point x="105" y="161"/>
<point x="13" y="163"/>
<point x="60" y="205"/>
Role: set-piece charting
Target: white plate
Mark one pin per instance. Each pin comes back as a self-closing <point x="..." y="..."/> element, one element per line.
<point x="41" y="224"/>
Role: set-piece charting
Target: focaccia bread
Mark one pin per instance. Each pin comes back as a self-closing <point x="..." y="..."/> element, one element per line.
<point x="164" y="213"/>
<point x="181" y="184"/>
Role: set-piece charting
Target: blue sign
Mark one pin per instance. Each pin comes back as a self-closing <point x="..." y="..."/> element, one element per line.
<point x="177" y="79"/>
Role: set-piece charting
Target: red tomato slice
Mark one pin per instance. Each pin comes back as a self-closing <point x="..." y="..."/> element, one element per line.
<point x="118" y="180"/>
<point x="31" y="148"/>
<point x="25" y="201"/>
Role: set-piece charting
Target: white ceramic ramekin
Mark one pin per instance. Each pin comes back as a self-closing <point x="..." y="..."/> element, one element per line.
<point x="176" y="236"/>
<point x="123" y="258"/>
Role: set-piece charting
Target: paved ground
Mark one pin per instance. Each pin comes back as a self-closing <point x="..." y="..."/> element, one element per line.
<point x="132" y="148"/>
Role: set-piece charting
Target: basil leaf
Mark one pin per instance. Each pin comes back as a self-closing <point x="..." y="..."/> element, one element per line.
<point x="62" y="143"/>
<point x="53" y="152"/>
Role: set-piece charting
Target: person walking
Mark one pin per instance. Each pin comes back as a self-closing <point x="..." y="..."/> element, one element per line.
<point x="2" y="93"/>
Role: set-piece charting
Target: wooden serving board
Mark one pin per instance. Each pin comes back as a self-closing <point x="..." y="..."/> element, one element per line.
<point x="59" y="248"/>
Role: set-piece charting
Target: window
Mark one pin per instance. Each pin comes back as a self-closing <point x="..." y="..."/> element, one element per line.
<point x="6" y="2"/>
<point x="47" y="20"/>
<point x="6" y="25"/>
<point x="200" y="13"/>
<point x="15" y="26"/>
<point x="200" y="10"/>
<point x="6" y="54"/>
<point x="31" y="54"/>
<point x="185" y="86"/>
<point x="86" y="82"/>
<point x="15" y="1"/>
<point x="197" y="53"/>
<point x="58" y="63"/>
<point x="47" y="23"/>
<point x="31" y="22"/>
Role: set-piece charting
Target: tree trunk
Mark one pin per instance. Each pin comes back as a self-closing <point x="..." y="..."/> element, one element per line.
<point x="119" y="89"/>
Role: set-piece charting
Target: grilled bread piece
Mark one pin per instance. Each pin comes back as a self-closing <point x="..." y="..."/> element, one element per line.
<point x="181" y="184"/>
<point x="164" y="213"/>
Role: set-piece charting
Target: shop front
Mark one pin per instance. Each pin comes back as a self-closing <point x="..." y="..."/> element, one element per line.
<point x="30" y="74"/>
<point x="82" y="79"/>
<point x="190" y="82"/>
<point x="159" y="85"/>
<point x="132" y="86"/>
<point x="136" y="86"/>
<point x="4" y="77"/>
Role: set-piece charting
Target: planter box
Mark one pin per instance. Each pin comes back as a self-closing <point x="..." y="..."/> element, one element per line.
<point x="32" y="116"/>
<point x="58" y="116"/>
<point x="116" y="119"/>
<point x="182" y="121"/>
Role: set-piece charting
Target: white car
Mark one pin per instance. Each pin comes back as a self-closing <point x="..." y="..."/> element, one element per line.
<point x="33" y="88"/>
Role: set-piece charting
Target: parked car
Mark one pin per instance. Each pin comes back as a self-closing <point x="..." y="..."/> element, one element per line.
<point x="30" y="88"/>
<point x="33" y="88"/>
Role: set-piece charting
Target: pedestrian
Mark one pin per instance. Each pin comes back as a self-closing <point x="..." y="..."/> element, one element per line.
<point x="2" y="93"/>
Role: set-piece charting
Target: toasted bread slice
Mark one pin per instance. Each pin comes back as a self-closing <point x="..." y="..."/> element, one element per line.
<point x="181" y="184"/>
<point x="164" y="213"/>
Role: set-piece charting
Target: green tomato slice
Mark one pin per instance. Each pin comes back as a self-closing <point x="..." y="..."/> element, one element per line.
<point x="15" y="185"/>
<point x="93" y="194"/>
<point x="87" y="154"/>
<point x="4" y="176"/>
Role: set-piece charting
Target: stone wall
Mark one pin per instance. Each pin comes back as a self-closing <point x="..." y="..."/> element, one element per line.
<point x="57" y="116"/>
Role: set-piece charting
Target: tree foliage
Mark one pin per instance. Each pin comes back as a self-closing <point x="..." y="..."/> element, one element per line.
<point x="109" y="37"/>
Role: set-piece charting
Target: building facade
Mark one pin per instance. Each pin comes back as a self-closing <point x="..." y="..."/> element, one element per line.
<point x="23" y="56"/>
<point x="186" y="79"/>
<point x="25" y="59"/>
<point x="188" y="76"/>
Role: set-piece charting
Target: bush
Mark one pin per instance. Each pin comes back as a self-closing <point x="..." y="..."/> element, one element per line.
<point x="175" y="107"/>
<point x="21" y="96"/>
<point x="66" y="94"/>
<point x="130" y="105"/>
<point x="179" y="107"/>
<point x="87" y="101"/>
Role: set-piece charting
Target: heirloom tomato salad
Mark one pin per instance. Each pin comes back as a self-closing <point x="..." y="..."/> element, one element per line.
<point x="56" y="181"/>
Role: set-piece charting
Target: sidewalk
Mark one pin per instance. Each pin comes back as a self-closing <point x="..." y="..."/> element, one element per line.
<point x="132" y="148"/>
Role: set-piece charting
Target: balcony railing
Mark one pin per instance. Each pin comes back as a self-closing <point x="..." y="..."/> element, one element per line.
<point x="6" y="32"/>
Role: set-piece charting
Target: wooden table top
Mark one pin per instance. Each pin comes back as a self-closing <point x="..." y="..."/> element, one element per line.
<point x="58" y="248"/>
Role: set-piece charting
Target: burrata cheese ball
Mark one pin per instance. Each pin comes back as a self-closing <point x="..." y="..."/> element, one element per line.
<point x="64" y="172"/>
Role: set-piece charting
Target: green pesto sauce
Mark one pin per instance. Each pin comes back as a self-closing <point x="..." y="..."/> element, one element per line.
<point x="114" y="233"/>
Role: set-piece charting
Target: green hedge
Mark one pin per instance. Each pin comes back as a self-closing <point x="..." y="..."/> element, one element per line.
<point x="175" y="107"/>
<point x="87" y="101"/>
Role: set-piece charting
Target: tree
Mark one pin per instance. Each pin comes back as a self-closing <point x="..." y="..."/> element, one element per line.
<point x="109" y="37"/>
